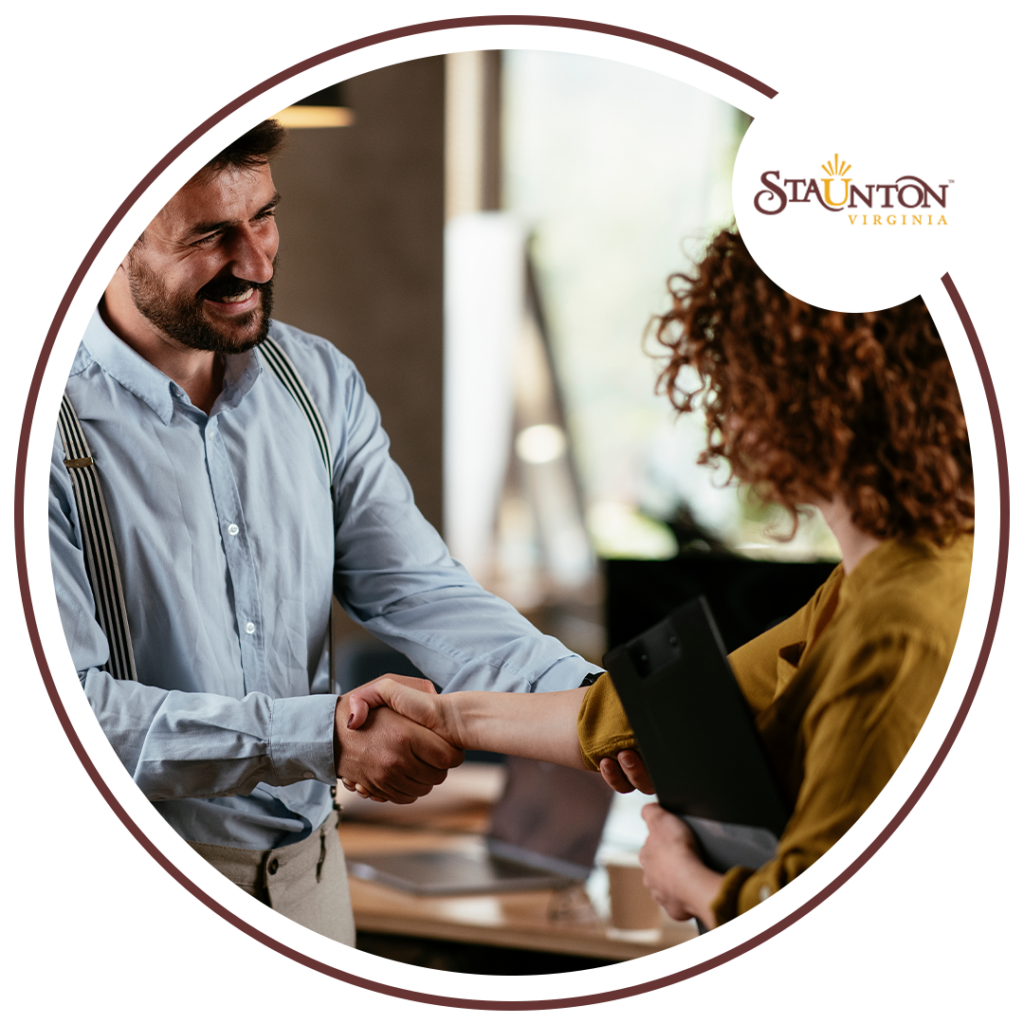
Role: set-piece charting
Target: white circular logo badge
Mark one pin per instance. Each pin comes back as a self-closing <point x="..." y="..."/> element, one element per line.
<point x="855" y="188"/>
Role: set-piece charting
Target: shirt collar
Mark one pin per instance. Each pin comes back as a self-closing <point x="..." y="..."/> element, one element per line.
<point x="139" y="376"/>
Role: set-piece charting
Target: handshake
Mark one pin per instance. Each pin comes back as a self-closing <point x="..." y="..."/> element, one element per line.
<point x="396" y="738"/>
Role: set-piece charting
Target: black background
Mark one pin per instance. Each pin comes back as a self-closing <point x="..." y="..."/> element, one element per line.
<point x="93" y="112"/>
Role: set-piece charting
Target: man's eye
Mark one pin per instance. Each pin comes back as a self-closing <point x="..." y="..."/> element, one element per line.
<point x="206" y="240"/>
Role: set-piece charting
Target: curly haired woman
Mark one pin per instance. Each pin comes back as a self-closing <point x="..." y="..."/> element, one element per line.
<point x="857" y="414"/>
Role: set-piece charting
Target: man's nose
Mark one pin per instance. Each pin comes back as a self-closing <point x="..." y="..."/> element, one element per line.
<point x="252" y="254"/>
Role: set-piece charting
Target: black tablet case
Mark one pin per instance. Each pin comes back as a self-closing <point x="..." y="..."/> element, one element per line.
<point x="697" y="737"/>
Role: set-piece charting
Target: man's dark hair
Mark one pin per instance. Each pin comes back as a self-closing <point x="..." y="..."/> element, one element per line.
<point x="255" y="147"/>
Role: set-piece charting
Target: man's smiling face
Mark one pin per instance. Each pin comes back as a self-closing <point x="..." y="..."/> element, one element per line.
<point x="202" y="273"/>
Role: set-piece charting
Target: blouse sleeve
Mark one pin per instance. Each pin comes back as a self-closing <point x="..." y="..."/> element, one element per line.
<point x="853" y="743"/>
<point x="601" y="725"/>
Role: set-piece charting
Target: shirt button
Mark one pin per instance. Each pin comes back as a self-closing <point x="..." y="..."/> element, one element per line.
<point x="233" y="529"/>
<point x="250" y="628"/>
<point x="272" y="867"/>
<point x="763" y="893"/>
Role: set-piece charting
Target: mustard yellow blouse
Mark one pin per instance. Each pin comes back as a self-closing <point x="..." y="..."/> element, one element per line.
<point x="839" y="692"/>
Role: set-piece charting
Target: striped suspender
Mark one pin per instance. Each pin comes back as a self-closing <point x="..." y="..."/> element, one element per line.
<point x="285" y="371"/>
<point x="98" y="542"/>
<point x="97" y="537"/>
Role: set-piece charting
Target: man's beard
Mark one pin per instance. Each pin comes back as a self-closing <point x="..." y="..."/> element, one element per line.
<point x="183" y="318"/>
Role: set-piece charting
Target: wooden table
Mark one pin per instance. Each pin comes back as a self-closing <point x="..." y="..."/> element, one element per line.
<point x="545" y="920"/>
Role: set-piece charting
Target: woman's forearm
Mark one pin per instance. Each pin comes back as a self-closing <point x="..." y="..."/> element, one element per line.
<point x="541" y="726"/>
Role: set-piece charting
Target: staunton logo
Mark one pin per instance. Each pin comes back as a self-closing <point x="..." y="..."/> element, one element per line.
<point x="908" y="192"/>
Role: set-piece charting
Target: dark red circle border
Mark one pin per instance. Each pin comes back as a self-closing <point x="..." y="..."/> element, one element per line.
<point x="173" y="870"/>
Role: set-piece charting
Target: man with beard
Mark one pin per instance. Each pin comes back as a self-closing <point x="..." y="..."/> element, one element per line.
<point x="232" y="528"/>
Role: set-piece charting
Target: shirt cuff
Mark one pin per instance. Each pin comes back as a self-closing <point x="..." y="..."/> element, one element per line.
<point x="302" y="738"/>
<point x="601" y="725"/>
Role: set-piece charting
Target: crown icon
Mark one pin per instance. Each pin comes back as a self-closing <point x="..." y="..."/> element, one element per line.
<point x="834" y="170"/>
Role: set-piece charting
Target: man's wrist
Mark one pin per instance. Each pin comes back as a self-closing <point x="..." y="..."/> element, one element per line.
<point x="341" y="717"/>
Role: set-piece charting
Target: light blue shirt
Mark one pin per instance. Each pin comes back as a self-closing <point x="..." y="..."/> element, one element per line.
<point x="228" y="546"/>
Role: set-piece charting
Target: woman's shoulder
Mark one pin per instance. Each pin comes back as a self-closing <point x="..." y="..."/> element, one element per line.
<point x="914" y="587"/>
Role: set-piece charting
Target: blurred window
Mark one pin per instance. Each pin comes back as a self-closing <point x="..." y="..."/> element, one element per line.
<point x="618" y="177"/>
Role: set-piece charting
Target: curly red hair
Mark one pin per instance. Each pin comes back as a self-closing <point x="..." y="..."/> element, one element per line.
<point x="804" y="402"/>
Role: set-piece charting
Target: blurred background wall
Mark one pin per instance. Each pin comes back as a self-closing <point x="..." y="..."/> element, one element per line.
<point x="362" y="223"/>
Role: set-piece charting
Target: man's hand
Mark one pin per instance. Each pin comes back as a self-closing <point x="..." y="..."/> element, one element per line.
<point x="626" y="772"/>
<point x="678" y="879"/>
<point x="392" y="757"/>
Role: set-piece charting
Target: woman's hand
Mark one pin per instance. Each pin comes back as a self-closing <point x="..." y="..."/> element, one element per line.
<point x="388" y="691"/>
<point x="626" y="772"/>
<point x="673" y="871"/>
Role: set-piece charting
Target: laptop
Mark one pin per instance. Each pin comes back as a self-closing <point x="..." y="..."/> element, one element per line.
<point x="544" y="833"/>
<point x="698" y="739"/>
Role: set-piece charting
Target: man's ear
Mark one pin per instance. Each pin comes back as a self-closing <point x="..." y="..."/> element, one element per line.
<point x="120" y="268"/>
<point x="140" y="243"/>
<point x="120" y="282"/>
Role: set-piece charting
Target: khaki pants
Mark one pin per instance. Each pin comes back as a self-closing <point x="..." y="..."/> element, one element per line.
<point x="305" y="881"/>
